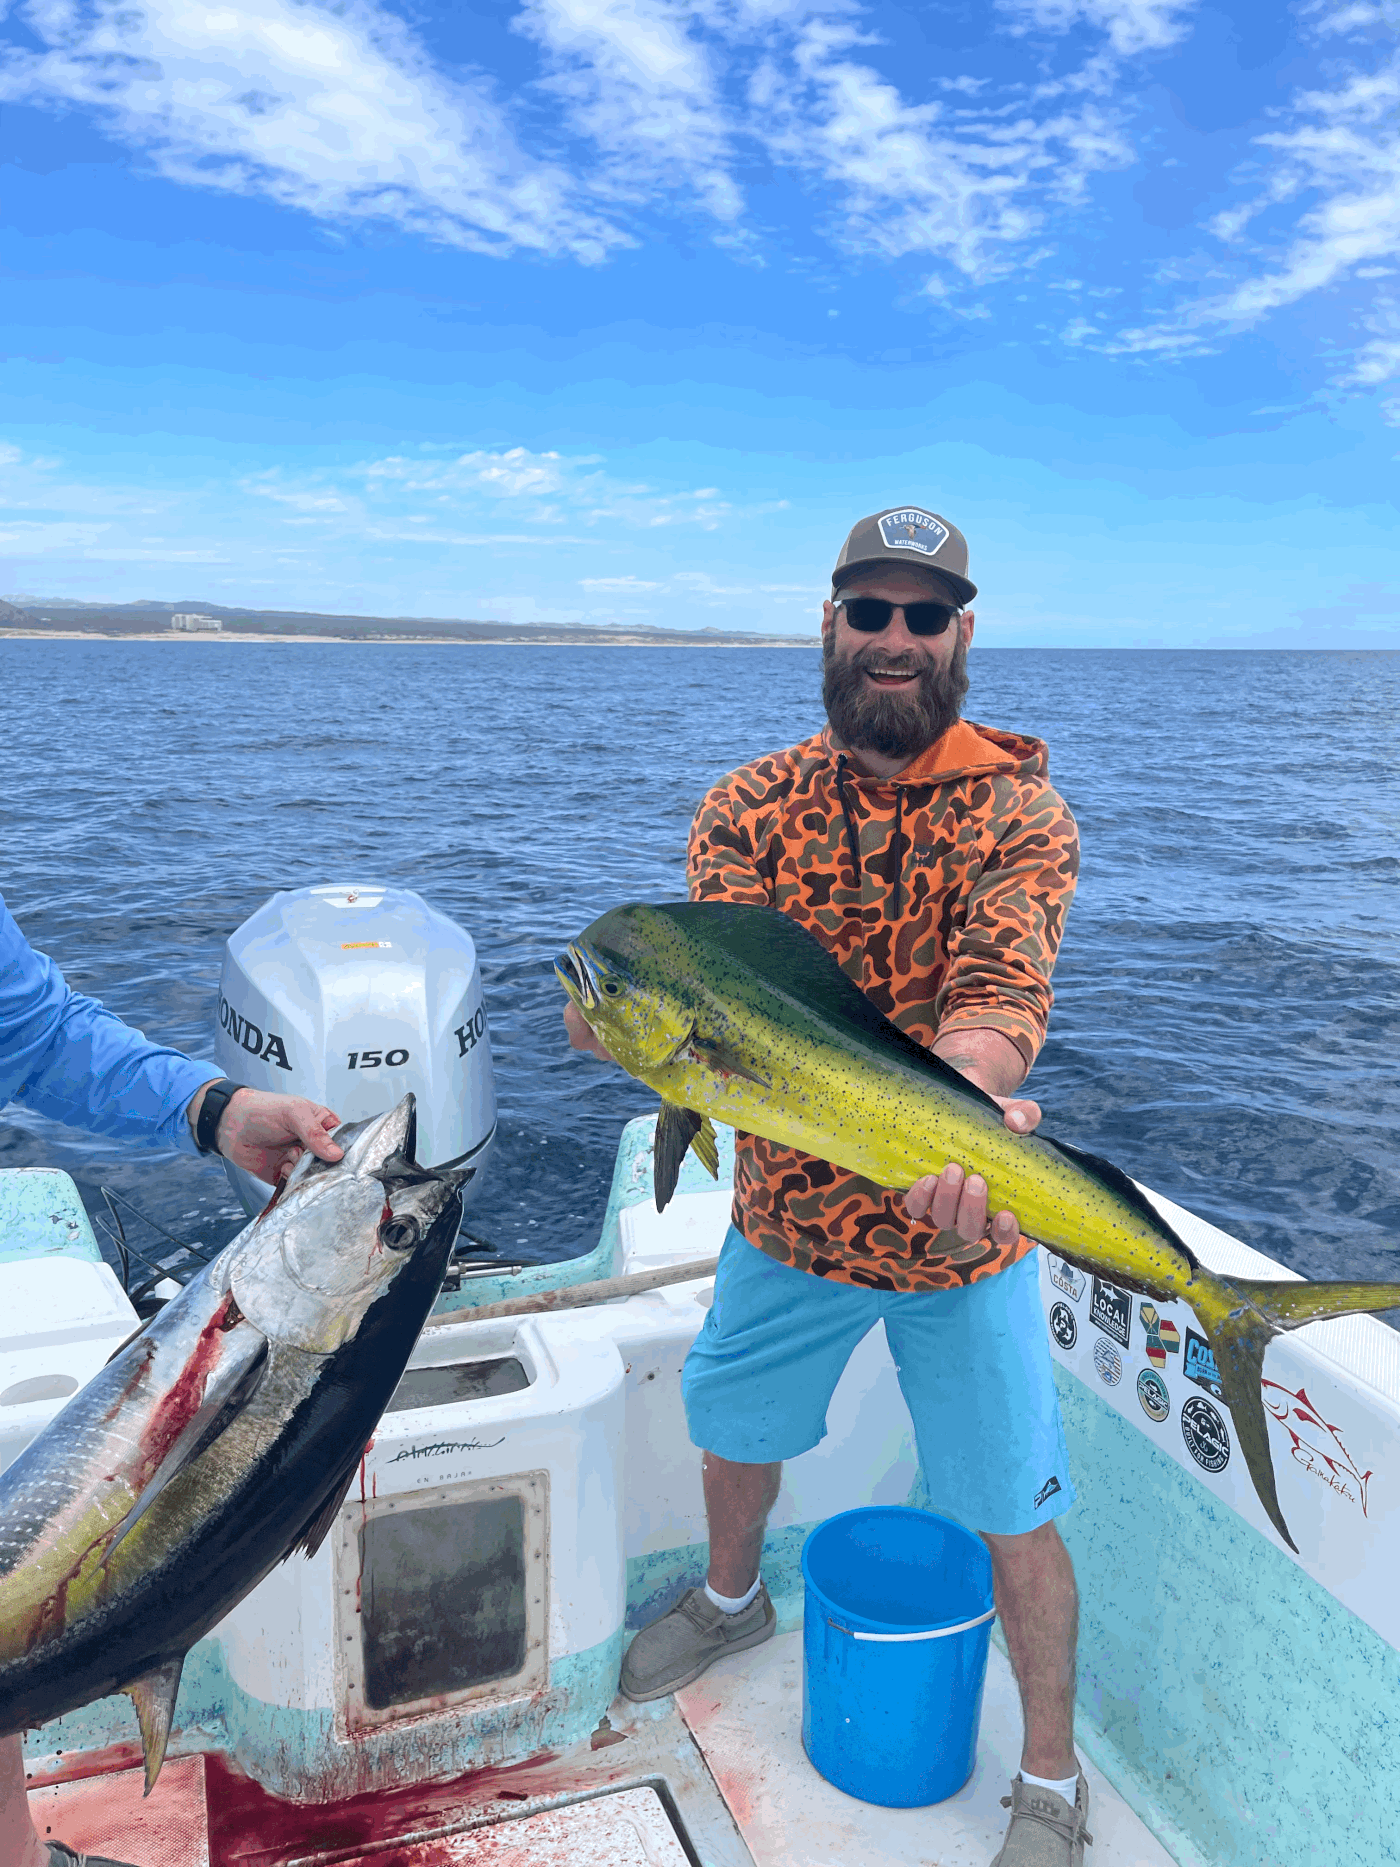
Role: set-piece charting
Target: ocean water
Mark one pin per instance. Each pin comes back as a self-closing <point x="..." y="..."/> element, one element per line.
<point x="1228" y="993"/>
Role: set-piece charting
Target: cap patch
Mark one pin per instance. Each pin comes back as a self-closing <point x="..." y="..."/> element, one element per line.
<point x="913" y="531"/>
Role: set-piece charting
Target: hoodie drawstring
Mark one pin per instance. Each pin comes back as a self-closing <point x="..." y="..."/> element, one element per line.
<point x="898" y="850"/>
<point x="853" y="841"/>
<point x="851" y="838"/>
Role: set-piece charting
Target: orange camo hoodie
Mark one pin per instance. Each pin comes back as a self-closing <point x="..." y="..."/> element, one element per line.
<point x="942" y="892"/>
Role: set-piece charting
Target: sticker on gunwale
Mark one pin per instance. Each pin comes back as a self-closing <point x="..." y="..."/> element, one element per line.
<point x="1063" y="1326"/>
<point x="1152" y="1395"/>
<point x="1108" y="1363"/>
<point x="1207" y="1438"/>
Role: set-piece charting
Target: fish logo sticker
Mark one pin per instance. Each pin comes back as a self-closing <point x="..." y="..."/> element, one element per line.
<point x="1163" y="1338"/>
<point x="1317" y="1445"/>
<point x="1152" y="1396"/>
<point x="1108" y="1363"/>
<point x="1207" y="1439"/>
<point x="1200" y="1365"/>
<point x="913" y="531"/>
<point x="1063" y="1326"/>
<point x="1112" y="1311"/>
<point x="1065" y="1277"/>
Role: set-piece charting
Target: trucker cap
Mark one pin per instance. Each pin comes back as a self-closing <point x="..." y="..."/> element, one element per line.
<point x="907" y="535"/>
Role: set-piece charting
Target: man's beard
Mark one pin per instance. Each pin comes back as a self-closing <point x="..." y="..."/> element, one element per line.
<point x="898" y="723"/>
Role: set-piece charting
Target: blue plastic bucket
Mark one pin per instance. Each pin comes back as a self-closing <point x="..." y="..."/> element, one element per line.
<point x="894" y="1653"/>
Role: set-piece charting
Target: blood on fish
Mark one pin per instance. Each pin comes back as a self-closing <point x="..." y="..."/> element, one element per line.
<point x="178" y="1406"/>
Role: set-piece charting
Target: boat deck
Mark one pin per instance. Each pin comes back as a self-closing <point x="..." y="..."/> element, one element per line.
<point x="716" y="1778"/>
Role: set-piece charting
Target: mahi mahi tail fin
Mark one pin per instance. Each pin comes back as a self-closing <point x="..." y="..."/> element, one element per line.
<point x="1240" y="1315"/>
<point x="676" y="1130"/>
<point x="153" y="1695"/>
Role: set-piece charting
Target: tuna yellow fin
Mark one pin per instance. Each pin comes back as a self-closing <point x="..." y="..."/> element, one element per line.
<point x="676" y="1130"/>
<point x="153" y="1695"/>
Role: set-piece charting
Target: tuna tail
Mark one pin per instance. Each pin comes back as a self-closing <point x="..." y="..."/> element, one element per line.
<point x="153" y="1695"/>
<point x="1239" y="1332"/>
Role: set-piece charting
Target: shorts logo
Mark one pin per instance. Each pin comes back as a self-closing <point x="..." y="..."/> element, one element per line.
<point x="1108" y="1363"/>
<point x="1048" y="1489"/>
<point x="1065" y="1277"/>
<point x="1204" y="1432"/>
<point x="913" y="531"/>
<point x="1199" y="1365"/>
<point x="1163" y="1338"/>
<point x="1063" y="1326"/>
<point x="1153" y="1396"/>
<point x="1111" y="1311"/>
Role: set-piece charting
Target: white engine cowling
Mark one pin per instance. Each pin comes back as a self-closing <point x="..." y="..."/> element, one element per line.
<point x="353" y="995"/>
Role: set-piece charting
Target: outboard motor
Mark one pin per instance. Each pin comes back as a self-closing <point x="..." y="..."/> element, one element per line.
<point x="353" y="995"/>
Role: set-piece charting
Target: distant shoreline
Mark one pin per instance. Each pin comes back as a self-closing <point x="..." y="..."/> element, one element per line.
<point x="398" y="641"/>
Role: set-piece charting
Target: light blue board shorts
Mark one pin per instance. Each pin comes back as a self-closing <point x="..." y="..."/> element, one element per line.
<point x="973" y="1364"/>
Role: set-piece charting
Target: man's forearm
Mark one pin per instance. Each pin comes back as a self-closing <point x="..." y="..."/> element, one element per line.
<point x="988" y="1058"/>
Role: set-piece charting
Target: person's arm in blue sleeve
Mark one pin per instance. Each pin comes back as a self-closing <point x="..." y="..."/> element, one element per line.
<point x="67" y="1056"/>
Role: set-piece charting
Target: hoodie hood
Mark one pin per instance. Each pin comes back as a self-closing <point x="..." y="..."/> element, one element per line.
<point x="966" y="750"/>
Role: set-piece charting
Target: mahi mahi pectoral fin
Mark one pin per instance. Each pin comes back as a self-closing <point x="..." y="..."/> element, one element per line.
<point x="153" y="1695"/>
<point x="726" y="1061"/>
<point x="227" y="1391"/>
<point x="1291" y="1306"/>
<point x="677" y="1129"/>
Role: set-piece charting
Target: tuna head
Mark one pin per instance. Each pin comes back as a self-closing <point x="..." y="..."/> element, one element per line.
<point x="617" y="975"/>
<point x="307" y="1270"/>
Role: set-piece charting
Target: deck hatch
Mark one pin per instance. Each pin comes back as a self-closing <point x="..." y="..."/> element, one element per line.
<point x="441" y="1597"/>
<point x="459" y="1380"/>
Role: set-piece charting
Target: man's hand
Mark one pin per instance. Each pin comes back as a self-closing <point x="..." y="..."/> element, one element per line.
<point x="955" y="1200"/>
<point x="267" y="1134"/>
<point x="582" y="1035"/>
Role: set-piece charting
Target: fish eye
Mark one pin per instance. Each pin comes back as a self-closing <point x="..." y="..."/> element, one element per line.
<point x="400" y="1234"/>
<point x="611" y="987"/>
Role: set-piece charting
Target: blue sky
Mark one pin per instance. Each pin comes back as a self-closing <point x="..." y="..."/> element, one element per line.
<point x="616" y="310"/>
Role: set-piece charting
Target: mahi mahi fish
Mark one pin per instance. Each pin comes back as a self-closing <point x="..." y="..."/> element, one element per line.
<point x="222" y="1436"/>
<point x="740" y="1014"/>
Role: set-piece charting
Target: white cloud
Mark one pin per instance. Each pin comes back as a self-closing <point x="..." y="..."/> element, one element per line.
<point x="620" y="586"/>
<point x="1131" y="26"/>
<point x="334" y="109"/>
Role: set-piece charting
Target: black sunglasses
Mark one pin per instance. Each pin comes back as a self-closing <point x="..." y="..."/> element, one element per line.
<point x="870" y="614"/>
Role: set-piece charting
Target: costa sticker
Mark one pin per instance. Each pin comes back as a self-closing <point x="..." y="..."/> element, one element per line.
<point x="1108" y="1363"/>
<point x="1112" y="1311"/>
<point x="913" y="530"/>
<point x="1063" y="1326"/>
<point x="1152" y="1395"/>
<point x="1163" y="1338"/>
<point x="1065" y="1277"/>
<point x="1199" y="1365"/>
<point x="1205" y="1434"/>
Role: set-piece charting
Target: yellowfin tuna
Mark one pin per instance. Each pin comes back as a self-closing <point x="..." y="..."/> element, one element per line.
<point x="739" y="1014"/>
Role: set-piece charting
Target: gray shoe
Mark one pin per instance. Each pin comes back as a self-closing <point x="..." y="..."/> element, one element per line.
<point x="61" y="1855"/>
<point x="679" y="1646"/>
<point x="1045" y="1831"/>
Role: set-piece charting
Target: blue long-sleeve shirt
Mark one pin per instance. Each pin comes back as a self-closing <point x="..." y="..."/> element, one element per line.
<point x="69" y="1057"/>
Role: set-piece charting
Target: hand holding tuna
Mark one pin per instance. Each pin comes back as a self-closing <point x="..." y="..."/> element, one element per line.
<point x="221" y="1437"/>
<point x="738" y="1014"/>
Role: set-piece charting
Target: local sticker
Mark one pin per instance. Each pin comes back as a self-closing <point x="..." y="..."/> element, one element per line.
<point x="1153" y="1396"/>
<point x="1108" y="1363"/>
<point x="1065" y="1277"/>
<point x="1063" y="1326"/>
<point x="1207" y="1439"/>
<point x="1111" y="1311"/>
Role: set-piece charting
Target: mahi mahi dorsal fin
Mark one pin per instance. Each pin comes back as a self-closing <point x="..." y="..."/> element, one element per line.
<point x="795" y="964"/>
<point x="1127" y="1190"/>
<point x="153" y="1695"/>
<point x="676" y="1130"/>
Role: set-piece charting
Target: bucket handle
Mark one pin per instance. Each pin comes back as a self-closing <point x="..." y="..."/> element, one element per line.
<point x="933" y="1633"/>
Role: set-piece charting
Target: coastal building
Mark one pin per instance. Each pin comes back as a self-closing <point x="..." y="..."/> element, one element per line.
<point x="195" y="623"/>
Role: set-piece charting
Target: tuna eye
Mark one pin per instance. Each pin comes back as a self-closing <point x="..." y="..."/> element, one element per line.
<point x="400" y="1234"/>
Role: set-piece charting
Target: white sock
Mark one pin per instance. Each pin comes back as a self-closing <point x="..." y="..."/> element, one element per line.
<point x="734" y="1604"/>
<point x="1066" y="1786"/>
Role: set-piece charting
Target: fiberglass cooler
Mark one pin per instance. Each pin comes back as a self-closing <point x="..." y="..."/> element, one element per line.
<point x="352" y="996"/>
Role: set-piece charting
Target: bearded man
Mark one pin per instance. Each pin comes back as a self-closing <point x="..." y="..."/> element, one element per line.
<point x="932" y="858"/>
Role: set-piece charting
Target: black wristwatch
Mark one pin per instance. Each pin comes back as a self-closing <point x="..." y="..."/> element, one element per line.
<point x="216" y="1099"/>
